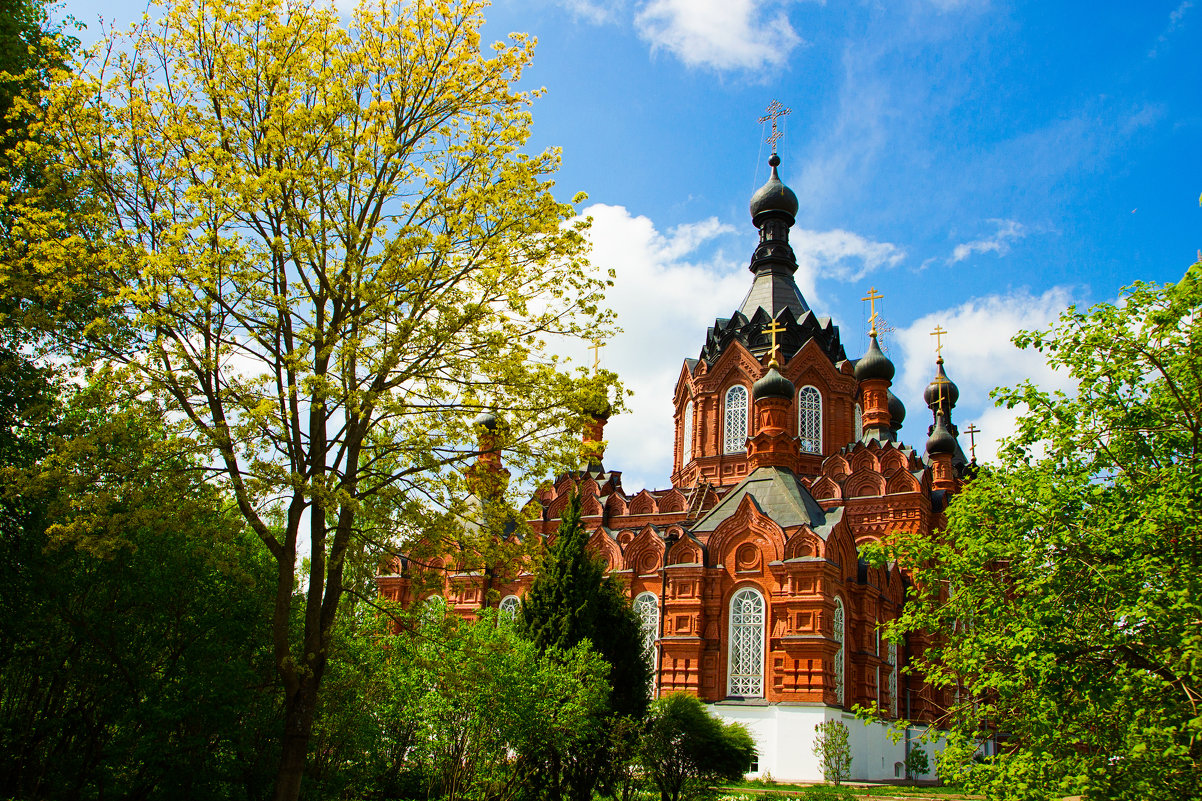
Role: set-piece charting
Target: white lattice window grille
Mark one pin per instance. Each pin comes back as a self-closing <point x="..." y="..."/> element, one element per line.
<point x="432" y="609"/>
<point x="893" y="678"/>
<point x="734" y="437"/>
<point x="687" y="434"/>
<point x="809" y="419"/>
<point x="859" y="422"/>
<point x="839" y="626"/>
<point x="646" y="606"/>
<point x="746" y="644"/>
<point x="507" y="610"/>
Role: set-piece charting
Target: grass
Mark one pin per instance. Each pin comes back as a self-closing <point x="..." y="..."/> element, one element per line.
<point x="770" y="791"/>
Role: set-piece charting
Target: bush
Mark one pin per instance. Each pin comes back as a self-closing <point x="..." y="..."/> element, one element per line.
<point x="833" y="751"/>
<point x="917" y="763"/>
<point x="684" y="749"/>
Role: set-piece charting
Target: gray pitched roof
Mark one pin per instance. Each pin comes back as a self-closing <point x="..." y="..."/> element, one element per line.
<point x="773" y="291"/>
<point x="778" y="494"/>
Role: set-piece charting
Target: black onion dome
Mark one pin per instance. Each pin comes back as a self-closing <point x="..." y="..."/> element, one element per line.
<point x="874" y="364"/>
<point x="486" y="419"/>
<point x="951" y="392"/>
<point x="772" y="385"/>
<point x="897" y="411"/>
<point x="941" y="440"/>
<point x="774" y="195"/>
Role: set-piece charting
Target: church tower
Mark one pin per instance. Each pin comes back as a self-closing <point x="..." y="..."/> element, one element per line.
<point x="714" y="391"/>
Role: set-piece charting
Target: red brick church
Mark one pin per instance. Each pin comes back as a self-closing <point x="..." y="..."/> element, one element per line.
<point x="746" y="571"/>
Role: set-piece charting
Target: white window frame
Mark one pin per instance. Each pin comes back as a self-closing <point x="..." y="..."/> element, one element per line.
<point x="745" y="644"/>
<point x="646" y="606"/>
<point x="893" y="671"/>
<point x="686" y="451"/>
<point x="839" y="632"/>
<point x="509" y="607"/>
<point x="859" y="423"/>
<point x="734" y="435"/>
<point x="809" y="419"/>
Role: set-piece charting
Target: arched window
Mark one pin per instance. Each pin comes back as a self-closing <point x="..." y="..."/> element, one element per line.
<point x="508" y="608"/>
<point x="432" y="610"/>
<point x="734" y="432"/>
<point x="646" y="606"/>
<point x="839" y="635"/>
<point x="859" y="422"/>
<point x="809" y="419"/>
<point x="746" y="644"/>
<point x="893" y="678"/>
<point x="687" y="435"/>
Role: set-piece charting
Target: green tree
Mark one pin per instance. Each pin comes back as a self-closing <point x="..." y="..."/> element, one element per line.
<point x="1066" y="589"/>
<point x="572" y="601"/>
<point x="450" y="709"/>
<point x="684" y="750"/>
<point x="832" y="746"/>
<point x="327" y="251"/>
<point x="132" y="620"/>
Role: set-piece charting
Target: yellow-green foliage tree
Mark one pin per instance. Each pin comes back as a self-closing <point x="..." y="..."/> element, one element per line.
<point x="323" y="247"/>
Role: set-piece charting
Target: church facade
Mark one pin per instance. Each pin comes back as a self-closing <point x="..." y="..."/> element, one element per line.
<point x="746" y="570"/>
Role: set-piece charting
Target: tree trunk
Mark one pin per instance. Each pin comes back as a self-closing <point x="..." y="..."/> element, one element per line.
<point x="298" y="727"/>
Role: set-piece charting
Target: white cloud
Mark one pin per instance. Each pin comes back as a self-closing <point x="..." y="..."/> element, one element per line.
<point x="720" y="34"/>
<point x="838" y="254"/>
<point x="597" y="13"/>
<point x="1007" y="232"/>
<point x="666" y="294"/>
<point x="978" y="356"/>
<point x="1175" y="18"/>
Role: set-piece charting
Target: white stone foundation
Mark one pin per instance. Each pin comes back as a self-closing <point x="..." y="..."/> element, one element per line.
<point x="784" y="735"/>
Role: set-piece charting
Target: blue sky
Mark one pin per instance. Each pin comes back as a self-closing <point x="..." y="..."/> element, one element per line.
<point x="982" y="164"/>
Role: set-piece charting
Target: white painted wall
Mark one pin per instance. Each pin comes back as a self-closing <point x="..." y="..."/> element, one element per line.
<point x="784" y="735"/>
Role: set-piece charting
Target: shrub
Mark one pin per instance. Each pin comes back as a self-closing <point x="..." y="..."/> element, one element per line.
<point x="833" y="750"/>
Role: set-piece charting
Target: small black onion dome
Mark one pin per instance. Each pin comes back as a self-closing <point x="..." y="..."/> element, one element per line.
<point x="773" y="195"/>
<point x="897" y="411"/>
<point x="772" y="385"/>
<point x="874" y="363"/>
<point x="941" y="440"/>
<point x="951" y="392"/>
<point x="486" y="419"/>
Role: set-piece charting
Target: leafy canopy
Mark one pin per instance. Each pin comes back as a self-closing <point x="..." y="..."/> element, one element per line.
<point x="1067" y="586"/>
<point x="318" y="241"/>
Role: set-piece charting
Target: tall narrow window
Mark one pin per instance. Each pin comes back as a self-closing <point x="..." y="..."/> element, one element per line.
<point x="809" y="419"/>
<point x="735" y="431"/>
<point x="859" y="423"/>
<point x="746" y="644"/>
<point x="507" y="610"/>
<point x="838" y="633"/>
<point x="687" y="435"/>
<point x="646" y="606"/>
<point x="893" y="678"/>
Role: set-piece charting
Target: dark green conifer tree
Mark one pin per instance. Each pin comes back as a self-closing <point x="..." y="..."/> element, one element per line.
<point x="570" y="601"/>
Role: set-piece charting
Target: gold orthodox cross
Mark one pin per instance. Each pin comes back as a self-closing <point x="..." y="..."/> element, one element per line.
<point x="772" y="331"/>
<point x="775" y="111"/>
<point x="938" y="334"/>
<point x="941" y="382"/>
<point x="972" y="432"/>
<point x="872" y="297"/>
<point x="596" y="349"/>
